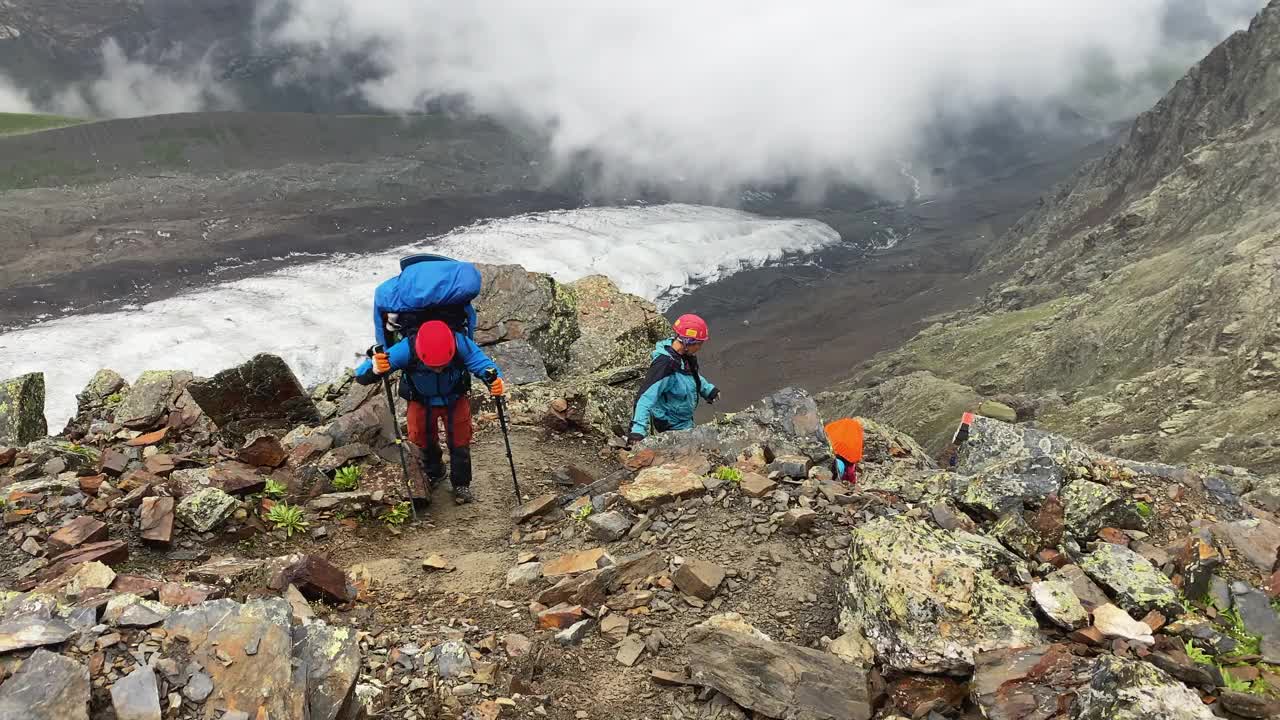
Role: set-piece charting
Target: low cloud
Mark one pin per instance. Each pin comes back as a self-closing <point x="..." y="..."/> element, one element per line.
<point x="14" y="99"/>
<point x="716" y="93"/>
<point x="128" y="87"/>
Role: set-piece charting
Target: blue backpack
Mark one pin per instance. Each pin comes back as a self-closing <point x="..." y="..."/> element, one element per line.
<point x="429" y="287"/>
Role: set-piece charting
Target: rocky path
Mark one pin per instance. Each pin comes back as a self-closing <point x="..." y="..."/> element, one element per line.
<point x="237" y="547"/>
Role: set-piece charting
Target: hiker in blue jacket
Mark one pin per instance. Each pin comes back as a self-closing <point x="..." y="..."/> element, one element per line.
<point x="437" y="363"/>
<point x="670" y="391"/>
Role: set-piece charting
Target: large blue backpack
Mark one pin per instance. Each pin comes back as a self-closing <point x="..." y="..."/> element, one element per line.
<point x="429" y="287"/>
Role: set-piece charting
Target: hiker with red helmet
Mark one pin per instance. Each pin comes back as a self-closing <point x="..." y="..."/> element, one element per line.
<point x="670" y="391"/>
<point x="437" y="363"/>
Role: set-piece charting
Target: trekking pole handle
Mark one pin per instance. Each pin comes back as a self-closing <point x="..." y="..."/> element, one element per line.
<point x="489" y="375"/>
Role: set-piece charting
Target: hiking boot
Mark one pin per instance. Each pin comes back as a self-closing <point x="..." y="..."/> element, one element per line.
<point x="462" y="495"/>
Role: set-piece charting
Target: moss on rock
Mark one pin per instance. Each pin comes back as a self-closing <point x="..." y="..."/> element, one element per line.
<point x="22" y="409"/>
<point x="927" y="599"/>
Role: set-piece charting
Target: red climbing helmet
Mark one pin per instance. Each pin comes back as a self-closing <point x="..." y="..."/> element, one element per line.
<point x="435" y="344"/>
<point x="691" y="328"/>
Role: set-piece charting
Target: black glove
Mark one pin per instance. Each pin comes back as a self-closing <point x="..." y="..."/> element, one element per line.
<point x="634" y="438"/>
<point x="713" y="396"/>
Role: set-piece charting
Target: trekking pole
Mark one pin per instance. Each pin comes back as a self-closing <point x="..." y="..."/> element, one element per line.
<point x="395" y="424"/>
<point x="489" y="376"/>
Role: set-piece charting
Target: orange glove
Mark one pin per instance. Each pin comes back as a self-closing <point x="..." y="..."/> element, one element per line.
<point x="497" y="388"/>
<point x="381" y="363"/>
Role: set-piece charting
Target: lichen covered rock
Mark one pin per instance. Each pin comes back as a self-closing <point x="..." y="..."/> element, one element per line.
<point x="515" y="304"/>
<point x="1090" y="506"/>
<point x="993" y="442"/>
<point x="927" y="599"/>
<point x="22" y="409"/>
<point x="146" y="402"/>
<point x="617" y="329"/>
<point x="1010" y="486"/>
<point x="205" y="509"/>
<point x="1132" y="580"/>
<point x="1132" y="690"/>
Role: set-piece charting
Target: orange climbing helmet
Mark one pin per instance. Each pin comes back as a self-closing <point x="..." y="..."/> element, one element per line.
<point x="691" y="328"/>
<point x="845" y="435"/>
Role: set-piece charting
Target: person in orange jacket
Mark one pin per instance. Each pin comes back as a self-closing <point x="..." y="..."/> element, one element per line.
<point x="845" y="436"/>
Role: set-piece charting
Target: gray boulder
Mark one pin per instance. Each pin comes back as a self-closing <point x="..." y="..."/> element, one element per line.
<point x="1090" y="506"/>
<point x="48" y="686"/>
<point x="905" y="579"/>
<point x="149" y="398"/>
<point x="1010" y="486"/>
<point x="205" y="509"/>
<point x="1133" y="690"/>
<point x="993" y="442"/>
<point x="521" y="363"/>
<point x="786" y="422"/>
<point x="1132" y="580"/>
<point x="22" y="410"/>
<point x="331" y="658"/>
<point x="262" y="392"/>
<point x="617" y="329"/>
<point x="516" y="304"/>
<point x="136" y="696"/>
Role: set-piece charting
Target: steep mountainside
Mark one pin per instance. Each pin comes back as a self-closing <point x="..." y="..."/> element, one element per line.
<point x="1141" y="313"/>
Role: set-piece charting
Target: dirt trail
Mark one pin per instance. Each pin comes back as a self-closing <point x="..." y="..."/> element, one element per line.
<point x="476" y="537"/>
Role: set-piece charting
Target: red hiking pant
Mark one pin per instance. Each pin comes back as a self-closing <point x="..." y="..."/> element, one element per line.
<point x="424" y="424"/>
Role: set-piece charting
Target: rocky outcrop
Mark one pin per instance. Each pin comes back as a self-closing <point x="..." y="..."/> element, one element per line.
<point x="905" y="579"/>
<point x="786" y="422"/>
<point x="516" y="304"/>
<point x="617" y="329"/>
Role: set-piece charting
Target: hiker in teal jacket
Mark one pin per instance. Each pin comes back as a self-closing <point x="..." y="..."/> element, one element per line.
<point x="670" y="392"/>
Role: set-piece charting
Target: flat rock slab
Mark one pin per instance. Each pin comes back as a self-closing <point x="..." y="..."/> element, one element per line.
<point x="82" y="530"/>
<point x="1257" y="540"/>
<point x="1028" y="683"/>
<point x="1259" y="618"/>
<point x="226" y="570"/>
<point x="1132" y="580"/>
<point x="258" y="639"/>
<point x="157" y="519"/>
<point x="237" y="478"/>
<point x="906" y="578"/>
<point x="47" y="687"/>
<point x="573" y="563"/>
<point x="778" y="680"/>
<point x="30" y="631"/>
<point x="535" y="507"/>
<point x="136" y="696"/>
<point x="657" y="486"/>
<point x="1113" y="622"/>
<point x="331" y="658"/>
